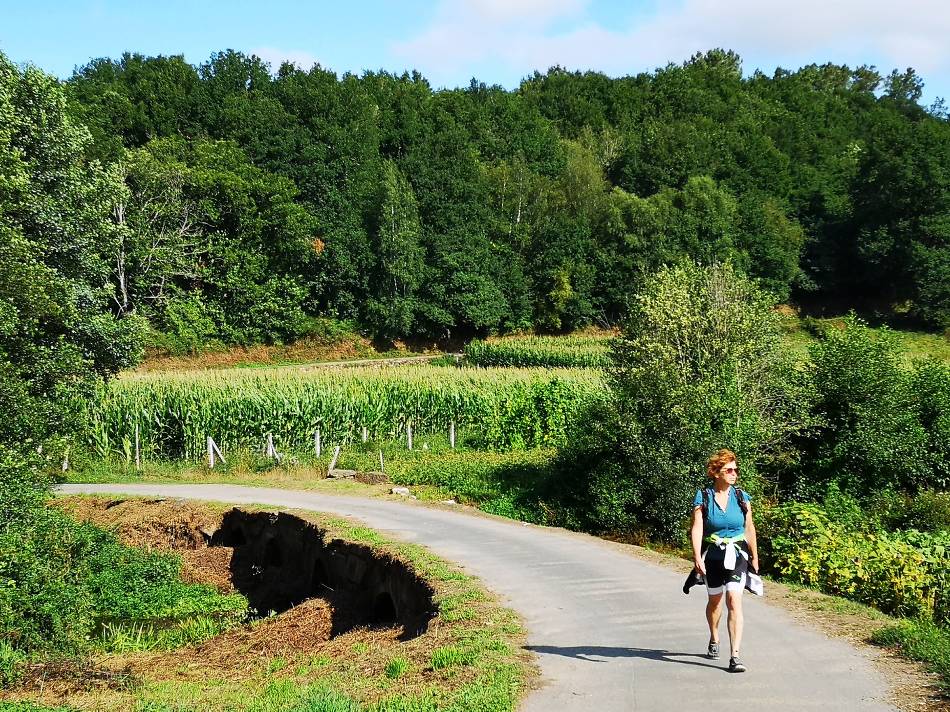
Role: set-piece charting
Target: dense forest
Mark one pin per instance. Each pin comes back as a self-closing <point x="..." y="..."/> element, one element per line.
<point x="244" y="203"/>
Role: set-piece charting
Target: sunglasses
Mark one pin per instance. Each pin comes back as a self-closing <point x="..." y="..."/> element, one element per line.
<point x="730" y="469"/>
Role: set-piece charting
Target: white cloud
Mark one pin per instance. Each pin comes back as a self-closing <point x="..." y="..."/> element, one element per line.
<point x="466" y="31"/>
<point x="523" y="35"/>
<point x="275" y="57"/>
<point x="537" y="12"/>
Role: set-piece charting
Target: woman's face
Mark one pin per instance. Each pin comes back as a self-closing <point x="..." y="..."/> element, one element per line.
<point x="728" y="474"/>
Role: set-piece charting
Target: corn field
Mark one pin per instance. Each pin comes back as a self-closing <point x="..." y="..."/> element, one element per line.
<point x="492" y="408"/>
<point x="578" y="351"/>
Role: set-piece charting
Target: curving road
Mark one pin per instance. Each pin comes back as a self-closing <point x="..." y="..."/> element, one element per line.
<point x="611" y="631"/>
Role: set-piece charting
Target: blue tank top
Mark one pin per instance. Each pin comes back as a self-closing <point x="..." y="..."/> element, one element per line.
<point x="728" y="522"/>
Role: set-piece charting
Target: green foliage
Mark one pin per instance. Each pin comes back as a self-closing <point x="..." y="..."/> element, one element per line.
<point x="881" y="426"/>
<point x="920" y="640"/>
<point x="391" y="310"/>
<point x="700" y="365"/>
<point x="510" y="484"/>
<point x="452" y="656"/>
<point x="537" y="207"/>
<point x="189" y="205"/>
<point x="58" y="579"/>
<point x="169" y="633"/>
<point x="326" y="701"/>
<point x="396" y="668"/>
<point x="575" y="351"/>
<point x="66" y="577"/>
<point x="494" y="408"/>
<point x="57" y="239"/>
<point x="189" y="327"/>
<point x="925" y="511"/>
<point x="903" y="573"/>
<point x="11" y="661"/>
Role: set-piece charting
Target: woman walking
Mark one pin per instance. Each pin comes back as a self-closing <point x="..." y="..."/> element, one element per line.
<point x="724" y="549"/>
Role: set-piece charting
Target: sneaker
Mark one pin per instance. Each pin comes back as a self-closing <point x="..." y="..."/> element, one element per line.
<point x="735" y="665"/>
<point x="713" y="651"/>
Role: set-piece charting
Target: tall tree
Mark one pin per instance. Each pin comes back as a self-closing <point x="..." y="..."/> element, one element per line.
<point x="56" y="239"/>
<point x="392" y="306"/>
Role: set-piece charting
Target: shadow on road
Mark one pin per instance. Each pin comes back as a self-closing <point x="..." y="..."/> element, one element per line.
<point x="590" y="653"/>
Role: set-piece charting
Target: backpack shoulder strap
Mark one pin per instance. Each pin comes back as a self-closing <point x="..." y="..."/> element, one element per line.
<point x="743" y="505"/>
<point x="705" y="504"/>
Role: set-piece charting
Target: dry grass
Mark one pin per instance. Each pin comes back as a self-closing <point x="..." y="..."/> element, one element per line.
<point x="304" y="351"/>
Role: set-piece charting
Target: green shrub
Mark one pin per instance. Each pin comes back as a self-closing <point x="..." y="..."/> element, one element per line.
<point x="902" y="573"/>
<point x="58" y="578"/>
<point x="700" y="365"/>
<point x="813" y="326"/>
<point x="881" y="425"/>
<point x="43" y="603"/>
<point x="190" y="326"/>
<point x="927" y="511"/>
<point x="843" y="509"/>
<point x="10" y="661"/>
<point x="930" y="386"/>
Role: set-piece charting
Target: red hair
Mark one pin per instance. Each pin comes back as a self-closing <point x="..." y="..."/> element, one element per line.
<point x="718" y="460"/>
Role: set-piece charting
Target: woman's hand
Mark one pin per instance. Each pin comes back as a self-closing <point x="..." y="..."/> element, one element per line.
<point x="754" y="563"/>
<point x="700" y="566"/>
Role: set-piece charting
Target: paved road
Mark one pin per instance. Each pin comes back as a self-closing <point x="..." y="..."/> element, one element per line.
<point x="611" y="631"/>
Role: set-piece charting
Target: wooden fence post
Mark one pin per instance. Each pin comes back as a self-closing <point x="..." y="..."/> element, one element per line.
<point x="213" y="450"/>
<point x="365" y="434"/>
<point x="381" y="469"/>
<point x="336" y="454"/>
<point x="409" y="434"/>
<point x="452" y="434"/>
<point x="138" y="455"/>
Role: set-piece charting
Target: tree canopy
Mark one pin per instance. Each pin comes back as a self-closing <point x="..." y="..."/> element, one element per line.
<point x="251" y="199"/>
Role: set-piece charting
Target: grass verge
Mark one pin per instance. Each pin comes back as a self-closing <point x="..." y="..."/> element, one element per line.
<point x="496" y="482"/>
<point x="921" y="641"/>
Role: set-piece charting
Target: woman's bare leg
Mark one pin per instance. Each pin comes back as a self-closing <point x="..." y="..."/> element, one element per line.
<point x="734" y="604"/>
<point x="714" y="615"/>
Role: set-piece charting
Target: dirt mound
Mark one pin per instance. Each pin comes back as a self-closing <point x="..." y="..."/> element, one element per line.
<point x="208" y="565"/>
<point x="154" y="523"/>
<point x="302" y="629"/>
<point x="164" y="525"/>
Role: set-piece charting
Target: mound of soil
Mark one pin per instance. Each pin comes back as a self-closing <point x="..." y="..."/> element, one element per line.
<point x="152" y="523"/>
<point x="164" y="525"/>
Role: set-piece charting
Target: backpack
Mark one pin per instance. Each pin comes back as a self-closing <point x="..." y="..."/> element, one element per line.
<point x="740" y="496"/>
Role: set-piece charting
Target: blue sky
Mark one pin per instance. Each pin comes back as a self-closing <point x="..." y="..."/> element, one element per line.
<point x="497" y="41"/>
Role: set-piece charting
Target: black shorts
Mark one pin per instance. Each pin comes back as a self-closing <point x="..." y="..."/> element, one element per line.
<point x="718" y="578"/>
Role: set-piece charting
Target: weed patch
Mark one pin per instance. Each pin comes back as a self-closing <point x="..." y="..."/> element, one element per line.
<point x="922" y="641"/>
